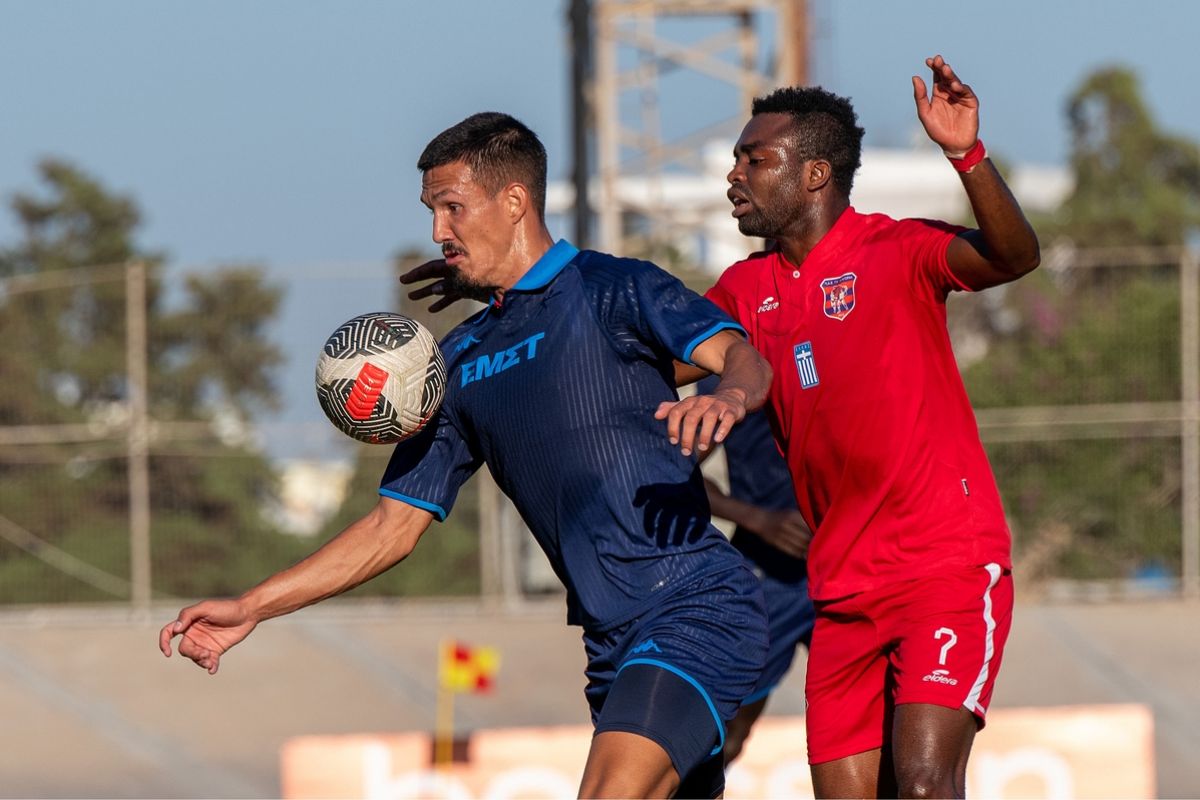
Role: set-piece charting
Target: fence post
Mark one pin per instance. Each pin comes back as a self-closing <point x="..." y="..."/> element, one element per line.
<point x="136" y="359"/>
<point x="1189" y="348"/>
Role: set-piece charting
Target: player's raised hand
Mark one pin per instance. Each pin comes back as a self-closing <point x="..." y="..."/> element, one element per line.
<point x="697" y="423"/>
<point x="207" y="630"/>
<point x="438" y="273"/>
<point x="951" y="114"/>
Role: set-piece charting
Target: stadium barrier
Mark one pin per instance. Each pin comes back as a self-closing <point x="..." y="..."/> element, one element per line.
<point x="1097" y="752"/>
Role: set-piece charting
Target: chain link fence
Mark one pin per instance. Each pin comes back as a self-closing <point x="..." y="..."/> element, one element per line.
<point x="1085" y="377"/>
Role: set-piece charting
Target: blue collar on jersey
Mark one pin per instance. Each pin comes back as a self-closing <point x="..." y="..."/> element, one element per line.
<point x="548" y="266"/>
<point x="545" y="269"/>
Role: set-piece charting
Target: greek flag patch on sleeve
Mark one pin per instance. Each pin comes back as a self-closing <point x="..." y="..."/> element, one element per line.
<point x="806" y="366"/>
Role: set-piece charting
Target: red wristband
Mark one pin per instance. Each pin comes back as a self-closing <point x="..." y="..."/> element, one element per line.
<point x="969" y="159"/>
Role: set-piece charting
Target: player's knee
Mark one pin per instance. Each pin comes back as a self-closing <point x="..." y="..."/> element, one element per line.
<point x="928" y="781"/>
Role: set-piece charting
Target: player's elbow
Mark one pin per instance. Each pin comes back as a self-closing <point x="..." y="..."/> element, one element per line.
<point x="395" y="528"/>
<point x="1026" y="257"/>
<point x="1029" y="261"/>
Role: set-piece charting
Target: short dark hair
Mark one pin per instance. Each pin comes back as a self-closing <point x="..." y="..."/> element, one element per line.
<point x="825" y="127"/>
<point x="498" y="148"/>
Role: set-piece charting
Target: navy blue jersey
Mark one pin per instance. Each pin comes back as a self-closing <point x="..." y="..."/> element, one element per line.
<point x="758" y="474"/>
<point x="555" y="390"/>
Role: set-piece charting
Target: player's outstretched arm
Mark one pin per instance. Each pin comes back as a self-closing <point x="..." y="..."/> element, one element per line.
<point x="366" y="548"/>
<point x="698" y="422"/>
<point x="1005" y="247"/>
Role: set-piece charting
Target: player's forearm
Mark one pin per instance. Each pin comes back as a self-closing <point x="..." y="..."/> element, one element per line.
<point x="363" y="550"/>
<point x="745" y="372"/>
<point x="687" y="374"/>
<point x="1010" y="242"/>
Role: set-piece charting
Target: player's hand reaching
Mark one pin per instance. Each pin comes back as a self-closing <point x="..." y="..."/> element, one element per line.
<point x="699" y="422"/>
<point x="784" y="530"/>
<point x="951" y="114"/>
<point x="207" y="630"/>
<point x="440" y="285"/>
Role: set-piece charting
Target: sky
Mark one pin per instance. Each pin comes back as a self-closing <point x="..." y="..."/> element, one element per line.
<point x="285" y="132"/>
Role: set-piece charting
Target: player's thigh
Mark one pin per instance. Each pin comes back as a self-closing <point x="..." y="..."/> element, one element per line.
<point x="684" y="672"/>
<point x="622" y="764"/>
<point x="845" y="685"/>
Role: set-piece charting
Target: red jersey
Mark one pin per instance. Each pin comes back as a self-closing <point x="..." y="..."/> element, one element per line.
<point x="868" y="403"/>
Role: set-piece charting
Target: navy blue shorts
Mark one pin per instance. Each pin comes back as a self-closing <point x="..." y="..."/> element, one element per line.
<point x="678" y="673"/>
<point x="790" y="620"/>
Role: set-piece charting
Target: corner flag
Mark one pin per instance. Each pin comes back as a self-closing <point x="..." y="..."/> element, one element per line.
<point x="462" y="668"/>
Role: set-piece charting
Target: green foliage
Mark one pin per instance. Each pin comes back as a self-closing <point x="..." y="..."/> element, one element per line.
<point x="63" y="316"/>
<point x="446" y="561"/>
<point x="217" y="345"/>
<point x="1091" y="509"/>
<point x="1088" y="508"/>
<point x="1111" y="339"/>
<point x="1084" y="507"/>
<point x="1134" y="184"/>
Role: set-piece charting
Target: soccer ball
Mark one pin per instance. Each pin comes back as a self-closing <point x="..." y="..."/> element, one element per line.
<point x="381" y="377"/>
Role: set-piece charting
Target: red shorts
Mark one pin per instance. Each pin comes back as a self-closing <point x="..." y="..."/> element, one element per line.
<point x="935" y="640"/>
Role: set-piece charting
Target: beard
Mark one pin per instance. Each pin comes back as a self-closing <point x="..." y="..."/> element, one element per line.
<point x="762" y="223"/>
<point x="463" y="286"/>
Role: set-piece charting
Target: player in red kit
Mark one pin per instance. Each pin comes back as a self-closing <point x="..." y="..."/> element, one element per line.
<point x="910" y="560"/>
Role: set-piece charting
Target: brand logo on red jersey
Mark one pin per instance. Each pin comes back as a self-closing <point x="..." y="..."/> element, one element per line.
<point x="941" y="676"/>
<point x="768" y="304"/>
<point x="839" y="295"/>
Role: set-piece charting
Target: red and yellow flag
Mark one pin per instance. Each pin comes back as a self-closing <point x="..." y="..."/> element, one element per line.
<point x="468" y="669"/>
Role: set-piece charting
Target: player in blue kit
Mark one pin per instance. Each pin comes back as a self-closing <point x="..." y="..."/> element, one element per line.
<point x="562" y="386"/>
<point x="772" y="535"/>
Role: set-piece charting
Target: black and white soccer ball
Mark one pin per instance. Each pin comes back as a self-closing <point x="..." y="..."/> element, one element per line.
<point x="381" y="377"/>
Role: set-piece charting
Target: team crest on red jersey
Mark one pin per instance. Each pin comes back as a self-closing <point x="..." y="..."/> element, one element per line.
<point x="839" y="295"/>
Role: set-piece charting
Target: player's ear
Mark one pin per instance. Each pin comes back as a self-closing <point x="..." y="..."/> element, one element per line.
<point x="515" y="197"/>
<point x="819" y="174"/>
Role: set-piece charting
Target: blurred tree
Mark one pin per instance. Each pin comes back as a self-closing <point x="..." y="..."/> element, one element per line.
<point x="1078" y="333"/>
<point x="63" y="319"/>
<point x="1134" y="183"/>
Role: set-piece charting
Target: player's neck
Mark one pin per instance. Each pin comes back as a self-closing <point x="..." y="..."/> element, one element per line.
<point x="528" y="246"/>
<point x="809" y="229"/>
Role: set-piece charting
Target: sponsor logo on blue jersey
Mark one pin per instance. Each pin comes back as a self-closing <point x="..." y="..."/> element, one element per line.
<point x="466" y="342"/>
<point x="645" y="647"/>
<point x="806" y="366"/>
<point x="493" y="364"/>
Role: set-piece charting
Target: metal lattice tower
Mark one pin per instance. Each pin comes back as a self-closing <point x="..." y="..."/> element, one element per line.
<point x="729" y="50"/>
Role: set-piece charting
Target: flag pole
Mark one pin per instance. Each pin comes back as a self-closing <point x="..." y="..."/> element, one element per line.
<point x="443" y="742"/>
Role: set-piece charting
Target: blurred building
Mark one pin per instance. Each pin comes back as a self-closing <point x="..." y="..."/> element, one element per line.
<point x="913" y="182"/>
<point x="310" y="492"/>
